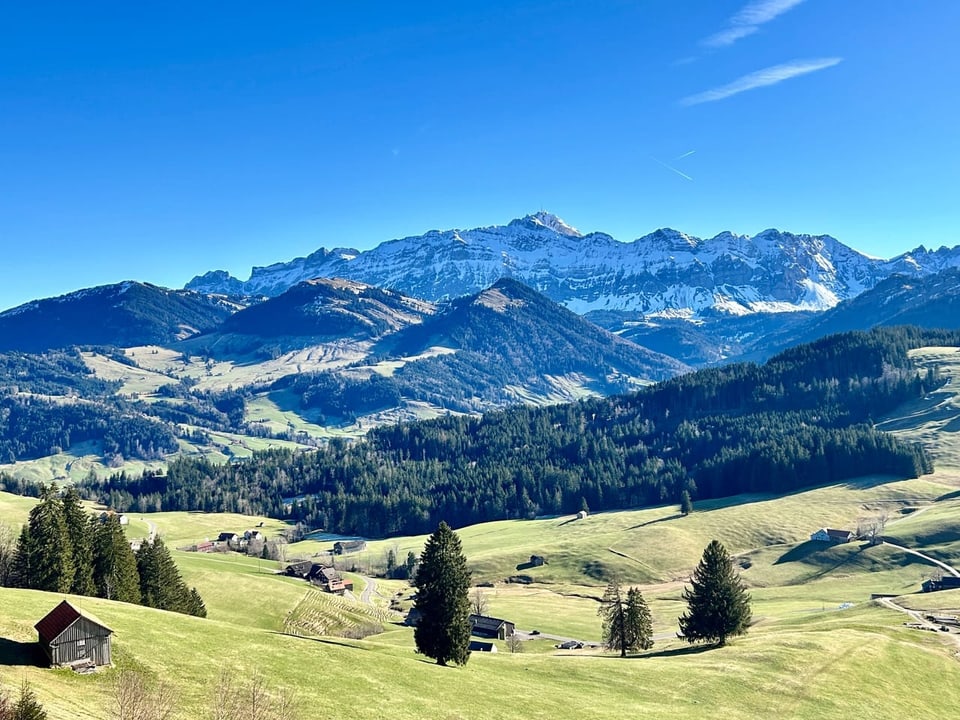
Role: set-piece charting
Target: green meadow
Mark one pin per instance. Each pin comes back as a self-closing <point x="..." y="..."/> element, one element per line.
<point x="819" y="647"/>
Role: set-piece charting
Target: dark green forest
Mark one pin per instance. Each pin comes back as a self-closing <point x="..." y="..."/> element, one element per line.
<point x="804" y="418"/>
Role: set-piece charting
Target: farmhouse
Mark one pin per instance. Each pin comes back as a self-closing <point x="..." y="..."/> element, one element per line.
<point x="491" y="627"/>
<point x="829" y="535"/>
<point x="582" y="515"/>
<point x="349" y="546"/>
<point x="70" y="636"/>
<point x="299" y="569"/>
<point x="537" y="560"/>
<point x="947" y="582"/>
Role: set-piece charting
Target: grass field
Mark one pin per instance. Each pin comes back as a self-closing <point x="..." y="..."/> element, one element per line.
<point x="819" y="648"/>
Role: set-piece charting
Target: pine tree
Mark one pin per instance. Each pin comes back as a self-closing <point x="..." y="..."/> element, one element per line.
<point x="22" y="570"/>
<point x="639" y="620"/>
<point x="114" y="565"/>
<point x="718" y="605"/>
<point x="50" y="550"/>
<point x="443" y="584"/>
<point x="626" y="621"/>
<point x="27" y="706"/>
<point x="686" y="504"/>
<point x="161" y="585"/>
<point x="78" y="528"/>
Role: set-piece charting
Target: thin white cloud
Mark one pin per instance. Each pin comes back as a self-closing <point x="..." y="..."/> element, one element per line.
<point x="749" y="19"/>
<point x="762" y="78"/>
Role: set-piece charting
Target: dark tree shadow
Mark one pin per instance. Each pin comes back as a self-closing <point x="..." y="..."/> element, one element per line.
<point x="22" y="653"/>
<point x="801" y="552"/>
<point x="323" y="641"/>
<point x="679" y="652"/>
<point x="658" y="520"/>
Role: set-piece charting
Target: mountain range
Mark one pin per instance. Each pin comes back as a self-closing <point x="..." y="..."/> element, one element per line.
<point x="666" y="274"/>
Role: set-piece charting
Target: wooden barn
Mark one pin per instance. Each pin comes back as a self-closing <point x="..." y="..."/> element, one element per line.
<point x="70" y="636"/>
<point x="491" y="627"/>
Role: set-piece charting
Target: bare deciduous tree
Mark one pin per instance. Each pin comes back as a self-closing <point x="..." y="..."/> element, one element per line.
<point x="514" y="644"/>
<point x="479" y="603"/>
<point x="135" y="697"/>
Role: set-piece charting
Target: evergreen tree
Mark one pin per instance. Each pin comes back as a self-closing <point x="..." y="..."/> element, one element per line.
<point x="27" y="706"/>
<point x="22" y="571"/>
<point x="718" y="605"/>
<point x="78" y="528"/>
<point x="443" y="584"/>
<point x="114" y="565"/>
<point x="686" y="504"/>
<point x="626" y="620"/>
<point x="50" y="550"/>
<point x="160" y="583"/>
<point x="639" y="620"/>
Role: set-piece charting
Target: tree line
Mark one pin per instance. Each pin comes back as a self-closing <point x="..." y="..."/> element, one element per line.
<point x="64" y="549"/>
<point x="804" y="418"/>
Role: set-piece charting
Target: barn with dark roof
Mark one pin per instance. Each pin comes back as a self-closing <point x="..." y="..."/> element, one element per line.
<point x="69" y="636"/>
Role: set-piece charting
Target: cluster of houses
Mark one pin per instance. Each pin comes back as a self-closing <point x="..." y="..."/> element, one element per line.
<point x="238" y="542"/>
<point x="323" y="576"/>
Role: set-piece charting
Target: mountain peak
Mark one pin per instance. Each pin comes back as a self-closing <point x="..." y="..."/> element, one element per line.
<point x="549" y="221"/>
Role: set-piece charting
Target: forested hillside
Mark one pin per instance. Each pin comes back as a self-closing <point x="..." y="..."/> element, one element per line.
<point x="801" y="419"/>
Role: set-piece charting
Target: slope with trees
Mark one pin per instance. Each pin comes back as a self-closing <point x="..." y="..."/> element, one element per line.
<point x="804" y="418"/>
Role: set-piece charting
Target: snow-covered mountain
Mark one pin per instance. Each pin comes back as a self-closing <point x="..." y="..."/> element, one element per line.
<point x="665" y="273"/>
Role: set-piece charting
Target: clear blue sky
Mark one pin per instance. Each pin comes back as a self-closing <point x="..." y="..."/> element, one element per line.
<point x="155" y="141"/>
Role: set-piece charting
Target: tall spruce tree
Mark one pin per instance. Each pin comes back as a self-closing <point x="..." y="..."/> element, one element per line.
<point x="114" y="565"/>
<point x="161" y="585"/>
<point x="626" y="620"/>
<point x="443" y="603"/>
<point x="22" y="570"/>
<point x="718" y="605"/>
<point x="50" y="550"/>
<point x="78" y="528"/>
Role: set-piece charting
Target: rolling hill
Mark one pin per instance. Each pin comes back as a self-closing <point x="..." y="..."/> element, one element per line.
<point x="121" y="315"/>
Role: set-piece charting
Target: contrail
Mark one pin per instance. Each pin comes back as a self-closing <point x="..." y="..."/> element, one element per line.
<point x="686" y="154"/>
<point x="670" y="167"/>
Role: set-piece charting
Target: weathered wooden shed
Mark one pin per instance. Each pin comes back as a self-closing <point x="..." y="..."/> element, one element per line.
<point x="69" y="635"/>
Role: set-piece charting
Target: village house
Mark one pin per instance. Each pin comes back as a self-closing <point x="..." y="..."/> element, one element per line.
<point x="72" y="637"/>
<point x="232" y="540"/>
<point x="349" y="546"/>
<point x="830" y="535"/>
<point x="480" y="646"/>
<point x="491" y="627"/>
<point x="249" y="535"/>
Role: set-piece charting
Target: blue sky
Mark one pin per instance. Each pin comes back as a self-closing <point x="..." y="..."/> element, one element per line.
<point x="155" y="141"/>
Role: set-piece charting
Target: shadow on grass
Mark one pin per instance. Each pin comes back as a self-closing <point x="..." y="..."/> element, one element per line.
<point x="22" y="653"/>
<point x="801" y="552"/>
<point x="322" y="641"/>
<point x="677" y="652"/>
<point x="675" y="516"/>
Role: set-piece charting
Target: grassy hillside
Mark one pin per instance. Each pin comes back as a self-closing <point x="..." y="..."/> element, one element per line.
<point x="808" y="654"/>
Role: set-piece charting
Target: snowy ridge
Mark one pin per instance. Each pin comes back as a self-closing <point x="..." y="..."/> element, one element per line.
<point x="664" y="274"/>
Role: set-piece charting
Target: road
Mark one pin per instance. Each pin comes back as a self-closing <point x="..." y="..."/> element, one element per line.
<point x="366" y="596"/>
<point x="942" y="565"/>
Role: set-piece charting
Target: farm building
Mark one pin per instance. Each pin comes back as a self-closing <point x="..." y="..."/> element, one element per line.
<point x="947" y="582"/>
<point x="537" y="560"/>
<point x="70" y="636"/>
<point x="480" y="646"/>
<point x="829" y="535"/>
<point x="491" y="627"/>
<point x="582" y="515"/>
<point x="349" y="546"/>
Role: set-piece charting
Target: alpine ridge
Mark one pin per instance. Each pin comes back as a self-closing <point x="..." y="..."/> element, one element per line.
<point x="665" y="274"/>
